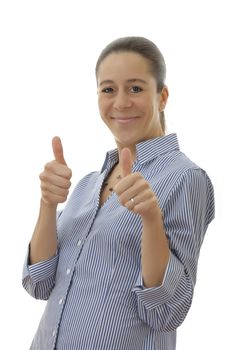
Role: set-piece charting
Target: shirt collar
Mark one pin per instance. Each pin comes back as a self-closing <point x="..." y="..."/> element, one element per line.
<point x="145" y="150"/>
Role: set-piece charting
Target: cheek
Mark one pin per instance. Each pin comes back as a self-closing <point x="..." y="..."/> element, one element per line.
<point x="103" y="105"/>
<point x="146" y="103"/>
<point x="148" y="107"/>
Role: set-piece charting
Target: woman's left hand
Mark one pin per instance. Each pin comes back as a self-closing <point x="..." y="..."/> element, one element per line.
<point x="134" y="191"/>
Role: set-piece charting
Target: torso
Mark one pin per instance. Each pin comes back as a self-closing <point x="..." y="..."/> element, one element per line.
<point x="104" y="196"/>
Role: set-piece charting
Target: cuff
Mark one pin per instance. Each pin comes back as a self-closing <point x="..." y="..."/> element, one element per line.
<point x="41" y="270"/>
<point x="155" y="296"/>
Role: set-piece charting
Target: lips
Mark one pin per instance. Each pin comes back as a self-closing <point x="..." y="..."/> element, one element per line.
<point x="124" y="120"/>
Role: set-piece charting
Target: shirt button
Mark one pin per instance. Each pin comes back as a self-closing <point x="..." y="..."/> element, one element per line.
<point x="79" y="242"/>
<point x="67" y="271"/>
<point x="60" y="301"/>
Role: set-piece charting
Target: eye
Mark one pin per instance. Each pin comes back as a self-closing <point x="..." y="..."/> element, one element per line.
<point x="135" y="89"/>
<point x="107" y="90"/>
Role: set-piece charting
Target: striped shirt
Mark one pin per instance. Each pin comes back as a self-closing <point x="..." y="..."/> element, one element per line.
<point x="94" y="286"/>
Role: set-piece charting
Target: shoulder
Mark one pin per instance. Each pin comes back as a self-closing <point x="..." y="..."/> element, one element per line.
<point x="183" y="172"/>
<point x="192" y="189"/>
<point x="175" y="173"/>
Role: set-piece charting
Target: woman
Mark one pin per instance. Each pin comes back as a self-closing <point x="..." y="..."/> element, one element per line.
<point x="118" y="264"/>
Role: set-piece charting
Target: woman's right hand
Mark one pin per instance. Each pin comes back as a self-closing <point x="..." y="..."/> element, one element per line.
<point x="55" y="179"/>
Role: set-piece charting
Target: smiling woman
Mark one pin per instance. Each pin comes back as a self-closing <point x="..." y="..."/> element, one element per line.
<point x="118" y="265"/>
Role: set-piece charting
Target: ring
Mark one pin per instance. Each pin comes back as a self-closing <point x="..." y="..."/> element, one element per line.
<point x="132" y="200"/>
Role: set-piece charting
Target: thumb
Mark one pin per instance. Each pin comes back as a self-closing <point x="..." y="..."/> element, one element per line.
<point x="58" y="150"/>
<point x="126" y="161"/>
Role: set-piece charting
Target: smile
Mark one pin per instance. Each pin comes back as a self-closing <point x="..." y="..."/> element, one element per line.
<point x="125" y="120"/>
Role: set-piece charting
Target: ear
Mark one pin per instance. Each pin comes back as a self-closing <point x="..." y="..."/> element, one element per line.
<point x="163" y="98"/>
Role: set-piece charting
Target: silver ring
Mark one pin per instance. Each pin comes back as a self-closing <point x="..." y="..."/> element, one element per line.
<point x="132" y="200"/>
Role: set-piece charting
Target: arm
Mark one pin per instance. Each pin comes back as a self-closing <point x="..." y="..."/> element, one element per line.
<point x="40" y="265"/>
<point x="154" y="245"/>
<point x="55" y="184"/>
<point x="43" y="245"/>
<point x="187" y="215"/>
<point x="154" y="249"/>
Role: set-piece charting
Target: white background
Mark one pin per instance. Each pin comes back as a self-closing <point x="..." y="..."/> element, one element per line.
<point x="48" y="51"/>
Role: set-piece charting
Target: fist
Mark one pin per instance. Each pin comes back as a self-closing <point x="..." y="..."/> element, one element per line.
<point x="55" y="179"/>
<point x="133" y="191"/>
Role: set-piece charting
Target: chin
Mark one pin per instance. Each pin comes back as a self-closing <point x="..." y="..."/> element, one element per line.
<point x="128" y="142"/>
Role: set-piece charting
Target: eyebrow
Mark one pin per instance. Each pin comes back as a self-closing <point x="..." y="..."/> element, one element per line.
<point x="128" y="81"/>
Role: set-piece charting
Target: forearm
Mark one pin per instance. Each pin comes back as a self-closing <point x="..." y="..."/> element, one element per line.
<point x="154" y="250"/>
<point x="43" y="245"/>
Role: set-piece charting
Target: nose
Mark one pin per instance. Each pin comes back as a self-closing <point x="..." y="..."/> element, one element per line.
<point x="122" y="100"/>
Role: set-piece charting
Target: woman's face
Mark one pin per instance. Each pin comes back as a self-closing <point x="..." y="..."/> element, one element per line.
<point x="128" y="100"/>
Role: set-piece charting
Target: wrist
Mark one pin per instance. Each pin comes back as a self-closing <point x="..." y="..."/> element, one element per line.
<point x="47" y="205"/>
<point x="153" y="215"/>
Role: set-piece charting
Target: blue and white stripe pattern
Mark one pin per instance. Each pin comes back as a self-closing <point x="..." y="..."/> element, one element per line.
<point x="96" y="298"/>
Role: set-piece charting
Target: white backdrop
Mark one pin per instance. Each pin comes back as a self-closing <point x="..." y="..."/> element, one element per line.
<point x="48" y="51"/>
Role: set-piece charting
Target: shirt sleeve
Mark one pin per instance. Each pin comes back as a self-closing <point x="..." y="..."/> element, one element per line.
<point x="39" y="279"/>
<point x="187" y="214"/>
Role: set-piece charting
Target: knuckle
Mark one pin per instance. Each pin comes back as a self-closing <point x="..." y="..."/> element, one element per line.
<point x="68" y="173"/>
<point x="43" y="186"/>
<point x="138" y="174"/>
<point x="122" y="200"/>
<point x="146" y="187"/>
<point x="66" y="184"/>
<point x="64" y="193"/>
<point x="49" y="165"/>
<point x="143" y="183"/>
<point x="45" y="195"/>
<point x="42" y="176"/>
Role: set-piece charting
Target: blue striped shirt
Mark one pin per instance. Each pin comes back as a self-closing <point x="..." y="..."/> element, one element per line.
<point x="94" y="287"/>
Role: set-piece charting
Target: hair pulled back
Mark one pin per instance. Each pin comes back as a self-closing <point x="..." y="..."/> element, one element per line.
<point x="145" y="48"/>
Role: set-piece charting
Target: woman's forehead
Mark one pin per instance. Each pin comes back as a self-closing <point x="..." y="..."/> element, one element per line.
<point x="124" y="59"/>
<point x="127" y="65"/>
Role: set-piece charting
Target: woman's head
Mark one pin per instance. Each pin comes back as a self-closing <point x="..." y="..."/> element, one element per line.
<point x="132" y="69"/>
<point x="143" y="47"/>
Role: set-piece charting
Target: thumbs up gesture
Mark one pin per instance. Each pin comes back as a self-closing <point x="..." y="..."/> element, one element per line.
<point x="55" y="179"/>
<point x="133" y="190"/>
<point x="58" y="150"/>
